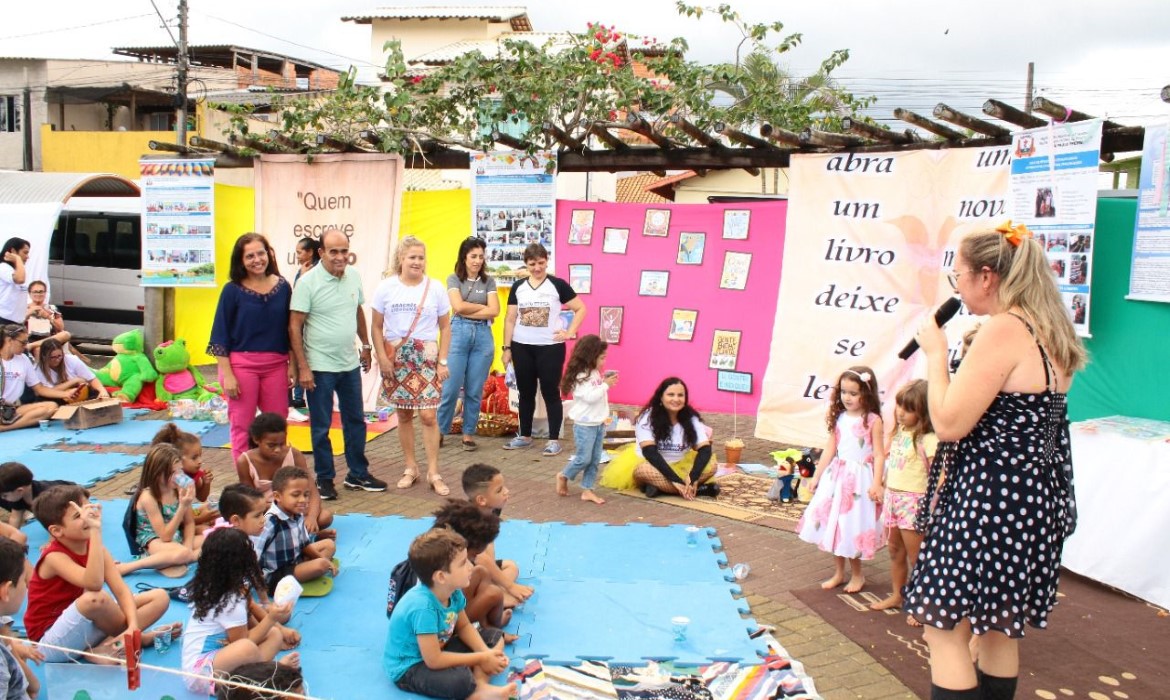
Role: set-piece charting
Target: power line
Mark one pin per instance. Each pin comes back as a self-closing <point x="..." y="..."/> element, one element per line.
<point x="164" y="23"/>
<point x="291" y="42"/>
<point x="79" y="26"/>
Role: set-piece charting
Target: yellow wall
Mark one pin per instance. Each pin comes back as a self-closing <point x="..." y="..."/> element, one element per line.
<point x="440" y="219"/>
<point x="97" y="151"/>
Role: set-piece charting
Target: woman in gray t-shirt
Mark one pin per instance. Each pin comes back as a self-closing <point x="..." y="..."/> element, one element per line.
<point x="474" y="304"/>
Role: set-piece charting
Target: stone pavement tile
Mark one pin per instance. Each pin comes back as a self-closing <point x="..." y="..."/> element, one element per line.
<point x="780" y="562"/>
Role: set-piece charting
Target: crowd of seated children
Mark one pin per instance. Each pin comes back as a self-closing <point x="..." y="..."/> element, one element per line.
<point x="431" y="647"/>
<point x="285" y="546"/>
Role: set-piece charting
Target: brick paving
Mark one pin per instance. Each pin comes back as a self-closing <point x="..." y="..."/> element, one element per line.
<point x="780" y="563"/>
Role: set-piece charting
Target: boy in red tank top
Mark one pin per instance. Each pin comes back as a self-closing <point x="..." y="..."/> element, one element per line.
<point x="67" y="604"/>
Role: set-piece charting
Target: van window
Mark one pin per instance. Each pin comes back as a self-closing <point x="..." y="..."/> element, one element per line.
<point x="104" y="240"/>
<point x="57" y="242"/>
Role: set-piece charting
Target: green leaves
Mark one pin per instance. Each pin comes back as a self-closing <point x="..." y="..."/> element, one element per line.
<point x="571" y="81"/>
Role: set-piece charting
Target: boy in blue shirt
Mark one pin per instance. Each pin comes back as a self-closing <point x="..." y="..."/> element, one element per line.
<point x="432" y="649"/>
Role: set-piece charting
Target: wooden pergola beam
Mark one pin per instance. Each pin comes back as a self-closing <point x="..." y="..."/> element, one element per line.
<point x="1166" y="94"/>
<point x="927" y="125"/>
<point x="225" y="148"/>
<point x="1004" y="111"/>
<point x="176" y="148"/>
<point x="638" y="124"/>
<point x="830" y="139"/>
<point x="742" y="138"/>
<point x="876" y="133"/>
<point x="942" y="111"/>
<point x="777" y="135"/>
<point x="562" y="137"/>
<point x="510" y="141"/>
<point x="601" y="131"/>
<point x="1060" y="113"/>
<point x="695" y="132"/>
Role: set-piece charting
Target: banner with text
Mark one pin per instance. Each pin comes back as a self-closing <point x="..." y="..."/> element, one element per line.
<point x="513" y="204"/>
<point x="1054" y="192"/>
<point x="870" y="239"/>
<point x="178" y="223"/>
<point x="1149" y="276"/>
<point x="357" y="193"/>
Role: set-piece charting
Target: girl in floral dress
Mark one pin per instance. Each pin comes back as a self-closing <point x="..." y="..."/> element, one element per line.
<point x="842" y="517"/>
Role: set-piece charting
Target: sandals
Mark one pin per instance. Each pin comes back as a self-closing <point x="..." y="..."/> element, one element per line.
<point x="437" y="485"/>
<point x="408" y="479"/>
<point x="470" y="446"/>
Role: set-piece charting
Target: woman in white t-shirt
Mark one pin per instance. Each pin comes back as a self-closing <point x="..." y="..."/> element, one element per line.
<point x="410" y="313"/>
<point x="58" y="369"/>
<point x="16" y="373"/>
<point x="13" y="281"/>
<point x="534" y="342"/>
<point x="672" y="449"/>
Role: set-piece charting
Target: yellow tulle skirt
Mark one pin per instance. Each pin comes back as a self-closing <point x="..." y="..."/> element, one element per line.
<point x="619" y="473"/>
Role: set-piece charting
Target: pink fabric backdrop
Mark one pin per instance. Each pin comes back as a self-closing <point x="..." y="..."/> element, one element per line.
<point x="645" y="355"/>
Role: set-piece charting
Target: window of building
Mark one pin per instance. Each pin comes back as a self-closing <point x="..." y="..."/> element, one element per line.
<point x="9" y="113"/>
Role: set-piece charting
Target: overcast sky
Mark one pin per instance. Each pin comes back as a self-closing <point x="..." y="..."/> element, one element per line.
<point x="1109" y="59"/>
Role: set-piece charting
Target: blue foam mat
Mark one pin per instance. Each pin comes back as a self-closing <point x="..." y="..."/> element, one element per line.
<point x="82" y="467"/>
<point x="620" y="609"/>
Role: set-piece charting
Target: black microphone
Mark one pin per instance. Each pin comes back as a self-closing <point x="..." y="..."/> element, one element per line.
<point x="945" y="313"/>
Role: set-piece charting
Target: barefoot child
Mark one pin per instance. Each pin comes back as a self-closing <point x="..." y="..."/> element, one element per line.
<point x="270" y="450"/>
<point x="67" y="606"/>
<point x="218" y="638"/>
<point x="484" y="486"/>
<point x="163" y="525"/>
<point x="190" y="447"/>
<point x="432" y="648"/>
<point x="837" y="520"/>
<point x="18" y="490"/>
<point x="285" y="546"/>
<point x="583" y="379"/>
<point x="912" y="447"/>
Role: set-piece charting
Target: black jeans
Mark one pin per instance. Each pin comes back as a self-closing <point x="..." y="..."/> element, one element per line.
<point x="543" y="363"/>
<point x="457" y="682"/>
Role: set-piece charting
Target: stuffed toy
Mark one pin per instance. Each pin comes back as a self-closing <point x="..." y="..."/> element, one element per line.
<point x="177" y="377"/>
<point x="790" y="464"/>
<point x="130" y="369"/>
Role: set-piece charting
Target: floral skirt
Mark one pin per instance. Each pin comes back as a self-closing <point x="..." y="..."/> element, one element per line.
<point x="415" y="382"/>
<point x="840" y="519"/>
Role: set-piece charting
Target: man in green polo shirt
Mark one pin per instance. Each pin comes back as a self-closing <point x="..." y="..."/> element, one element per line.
<point x="326" y="315"/>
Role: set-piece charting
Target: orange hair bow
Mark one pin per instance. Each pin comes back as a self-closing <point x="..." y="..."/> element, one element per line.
<point x="1014" y="234"/>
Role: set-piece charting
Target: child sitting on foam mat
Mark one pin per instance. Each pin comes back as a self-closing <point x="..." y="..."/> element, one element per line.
<point x="484" y="486"/>
<point x="284" y="546"/>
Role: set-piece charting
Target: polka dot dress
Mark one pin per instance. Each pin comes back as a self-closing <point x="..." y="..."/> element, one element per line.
<point x="994" y="540"/>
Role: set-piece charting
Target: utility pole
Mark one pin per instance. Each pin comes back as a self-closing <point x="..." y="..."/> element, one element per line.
<point x="159" y="316"/>
<point x="1028" y="88"/>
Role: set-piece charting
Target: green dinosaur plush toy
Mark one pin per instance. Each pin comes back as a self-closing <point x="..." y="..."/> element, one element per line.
<point x="178" y="378"/>
<point x="130" y="369"/>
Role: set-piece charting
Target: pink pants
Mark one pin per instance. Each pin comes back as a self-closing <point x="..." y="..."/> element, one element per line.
<point x="263" y="380"/>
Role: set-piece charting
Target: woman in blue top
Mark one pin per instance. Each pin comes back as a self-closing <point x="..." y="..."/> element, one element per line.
<point x="249" y="337"/>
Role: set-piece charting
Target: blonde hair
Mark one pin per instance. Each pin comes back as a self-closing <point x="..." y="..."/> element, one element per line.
<point x="404" y="245"/>
<point x="1026" y="282"/>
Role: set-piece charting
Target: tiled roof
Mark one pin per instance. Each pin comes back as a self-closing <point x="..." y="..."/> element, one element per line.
<point x="217" y="55"/>
<point x="665" y="186"/>
<point x="516" y="15"/>
<point x="493" y="48"/>
<point x="633" y="190"/>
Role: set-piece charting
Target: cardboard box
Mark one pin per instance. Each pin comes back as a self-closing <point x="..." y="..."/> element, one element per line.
<point x="90" y="414"/>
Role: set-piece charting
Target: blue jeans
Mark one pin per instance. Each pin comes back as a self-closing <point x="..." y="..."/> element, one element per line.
<point x="348" y="387"/>
<point x="469" y="359"/>
<point x="588" y="442"/>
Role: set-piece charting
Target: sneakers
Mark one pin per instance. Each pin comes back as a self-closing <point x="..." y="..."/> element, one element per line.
<point x="708" y="489"/>
<point x="518" y="443"/>
<point x="366" y="483"/>
<point x="328" y="491"/>
<point x="552" y="449"/>
<point x="651" y="491"/>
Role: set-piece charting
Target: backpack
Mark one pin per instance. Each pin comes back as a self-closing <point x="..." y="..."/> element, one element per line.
<point x="402" y="579"/>
<point x="130" y="525"/>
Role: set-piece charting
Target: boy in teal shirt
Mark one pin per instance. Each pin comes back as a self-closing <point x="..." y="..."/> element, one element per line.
<point x="432" y="649"/>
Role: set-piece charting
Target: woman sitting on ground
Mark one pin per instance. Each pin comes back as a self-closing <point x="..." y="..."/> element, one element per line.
<point x="672" y="453"/>
<point x="44" y="321"/>
<point x="57" y="369"/>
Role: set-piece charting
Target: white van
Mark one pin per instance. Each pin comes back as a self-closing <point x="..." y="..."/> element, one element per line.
<point x="95" y="259"/>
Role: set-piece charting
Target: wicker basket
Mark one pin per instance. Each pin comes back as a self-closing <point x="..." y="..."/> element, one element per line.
<point x="490" y="425"/>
